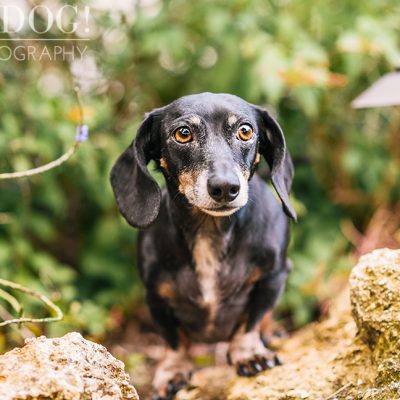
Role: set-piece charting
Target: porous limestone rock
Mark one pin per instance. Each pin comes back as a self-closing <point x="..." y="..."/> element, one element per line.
<point x="66" y="368"/>
<point x="375" y="299"/>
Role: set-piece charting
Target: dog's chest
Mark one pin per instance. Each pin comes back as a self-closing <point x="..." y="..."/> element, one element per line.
<point x="221" y="280"/>
<point x="209" y="293"/>
<point x="206" y="259"/>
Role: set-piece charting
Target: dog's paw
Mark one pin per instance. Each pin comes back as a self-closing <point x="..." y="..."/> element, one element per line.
<point x="257" y="363"/>
<point x="169" y="390"/>
<point x="172" y="375"/>
<point x="249" y="356"/>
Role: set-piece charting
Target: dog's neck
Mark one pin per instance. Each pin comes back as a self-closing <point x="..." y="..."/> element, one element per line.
<point x="193" y="222"/>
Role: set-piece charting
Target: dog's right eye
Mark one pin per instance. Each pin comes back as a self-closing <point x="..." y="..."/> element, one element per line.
<point x="245" y="132"/>
<point x="183" y="135"/>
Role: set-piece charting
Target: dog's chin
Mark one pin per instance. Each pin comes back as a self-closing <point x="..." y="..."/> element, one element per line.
<point x="220" y="212"/>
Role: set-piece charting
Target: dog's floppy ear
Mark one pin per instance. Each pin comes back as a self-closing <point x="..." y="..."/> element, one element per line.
<point x="137" y="193"/>
<point x="273" y="148"/>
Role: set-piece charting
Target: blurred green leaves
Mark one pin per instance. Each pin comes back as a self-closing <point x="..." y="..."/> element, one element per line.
<point x="61" y="232"/>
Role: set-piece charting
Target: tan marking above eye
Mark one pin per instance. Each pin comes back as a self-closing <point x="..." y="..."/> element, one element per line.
<point x="195" y="120"/>
<point x="183" y="135"/>
<point x="245" y="132"/>
<point x="232" y="119"/>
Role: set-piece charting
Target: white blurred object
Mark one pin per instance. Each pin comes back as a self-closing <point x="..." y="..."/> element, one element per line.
<point x="209" y="57"/>
<point x="383" y="93"/>
<point x="87" y="75"/>
<point x="51" y="82"/>
<point x="150" y="7"/>
<point x="116" y="5"/>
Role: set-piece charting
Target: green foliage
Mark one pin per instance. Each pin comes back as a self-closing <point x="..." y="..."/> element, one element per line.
<point x="60" y="232"/>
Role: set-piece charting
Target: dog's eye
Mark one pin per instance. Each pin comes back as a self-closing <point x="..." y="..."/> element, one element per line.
<point x="245" y="132"/>
<point x="183" y="135"/>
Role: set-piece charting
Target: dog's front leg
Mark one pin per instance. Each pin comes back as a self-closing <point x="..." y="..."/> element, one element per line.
<point x="248" y="354"/>
<point x="174" y="370"/>
<point x="247" y="351"/>
<point x="172" y="374"/>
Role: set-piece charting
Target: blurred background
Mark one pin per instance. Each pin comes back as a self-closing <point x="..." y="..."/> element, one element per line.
<point x="60" y="232"/>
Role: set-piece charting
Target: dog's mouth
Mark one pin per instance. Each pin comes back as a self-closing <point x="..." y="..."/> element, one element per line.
<point x="222" y="211"/>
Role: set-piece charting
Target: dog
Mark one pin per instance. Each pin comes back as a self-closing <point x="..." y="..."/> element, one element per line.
<point x="212" y="244"/>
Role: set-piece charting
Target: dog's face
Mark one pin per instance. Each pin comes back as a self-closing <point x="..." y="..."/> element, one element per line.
<point x="207" y="145"/>
<point x="209" y="148"/>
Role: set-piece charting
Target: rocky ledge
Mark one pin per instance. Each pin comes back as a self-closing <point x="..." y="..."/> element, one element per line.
<point x="66" y="368"/>
<point x="352" y="355"/>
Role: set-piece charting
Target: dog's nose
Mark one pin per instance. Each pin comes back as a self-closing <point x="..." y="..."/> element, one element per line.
<point x="223" y="188"/>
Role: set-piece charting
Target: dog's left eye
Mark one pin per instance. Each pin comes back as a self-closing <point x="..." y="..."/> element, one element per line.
<point x="183" y="135"/>
<point x="245" y="132"/>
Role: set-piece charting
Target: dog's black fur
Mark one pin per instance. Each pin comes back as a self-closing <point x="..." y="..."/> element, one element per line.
<point x="250" y="245"/>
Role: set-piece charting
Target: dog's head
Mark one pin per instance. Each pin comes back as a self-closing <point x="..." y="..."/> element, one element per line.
<point x="208" y="146"/>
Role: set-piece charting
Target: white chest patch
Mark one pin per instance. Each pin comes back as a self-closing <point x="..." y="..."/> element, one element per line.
<point x="207" y="267"/>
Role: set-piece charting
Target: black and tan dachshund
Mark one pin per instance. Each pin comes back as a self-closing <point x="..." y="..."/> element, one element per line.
<point x="212" y="244"/>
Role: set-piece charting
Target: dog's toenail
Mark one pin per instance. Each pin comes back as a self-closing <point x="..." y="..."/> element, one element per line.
<point x="256" y="366"/>
<point x="270" y="364"/>
<point x="243" y="370"/>
<point x="278" y="361"/>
